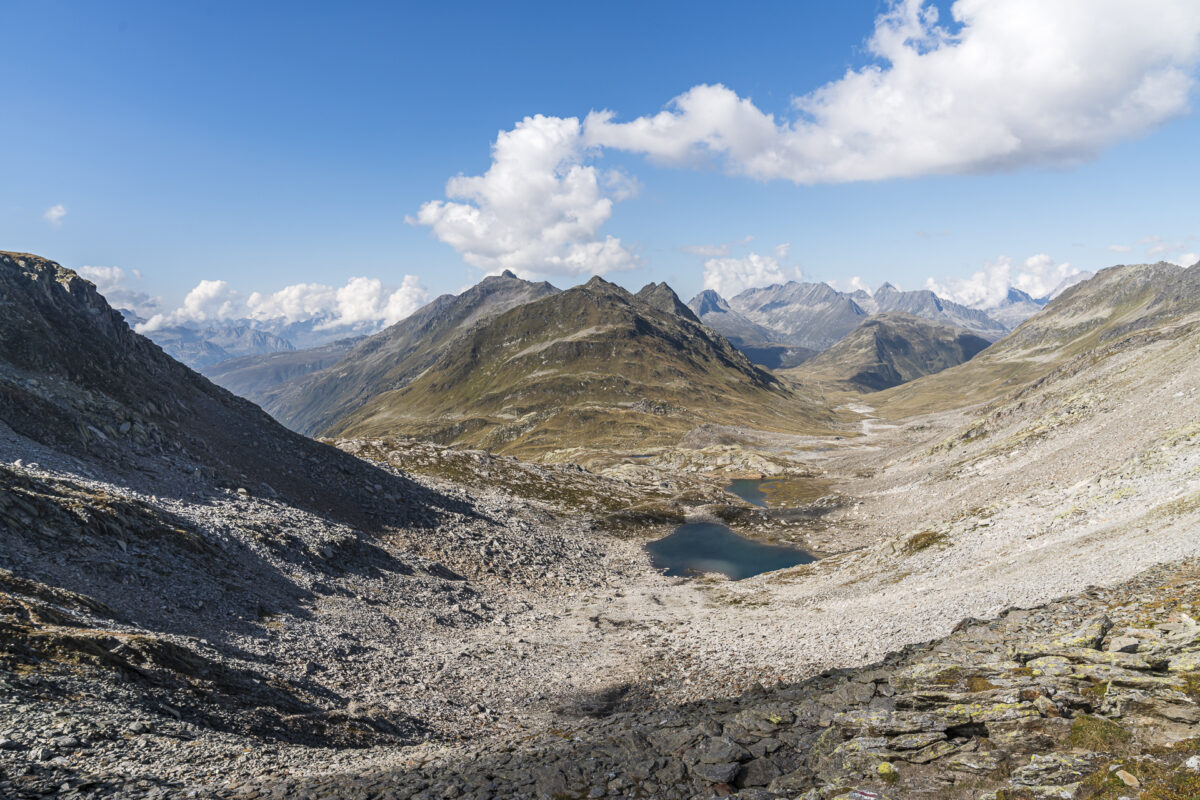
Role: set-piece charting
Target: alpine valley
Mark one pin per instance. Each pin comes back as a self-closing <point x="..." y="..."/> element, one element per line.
<point x="412" y="562"/>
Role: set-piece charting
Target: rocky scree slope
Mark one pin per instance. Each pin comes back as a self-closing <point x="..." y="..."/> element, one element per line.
<point x="391" y="359"/>
<point x="890" y="349"/>
<point x="1093" y="696"/>
<point x="174" y="560"/>
<point x="1084" y="477"/>
<point x="593" y="366"/>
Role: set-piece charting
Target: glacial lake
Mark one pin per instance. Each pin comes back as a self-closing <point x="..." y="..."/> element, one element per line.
<point x="749" y="490"/>
<point x="699" y="547"/>
<point x="781" y="492"/>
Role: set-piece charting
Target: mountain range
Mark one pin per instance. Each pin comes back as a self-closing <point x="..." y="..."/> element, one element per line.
<point x="362" y="386"/>
<point x="206" y="344"/>
<point x="776" y="326"/>
<point x="811" y="317"/>
<point x="395" y="356"/>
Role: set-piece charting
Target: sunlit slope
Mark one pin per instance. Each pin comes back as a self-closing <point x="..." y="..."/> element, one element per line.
<point x="1088" y="317"/>
<point x="593" y="367"/>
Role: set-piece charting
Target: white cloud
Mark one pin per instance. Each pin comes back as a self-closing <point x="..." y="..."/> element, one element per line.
<point x="1186" y="259"/>
<point x="1119" y="248"/>
<point x="537" y="210"/>
<point x="361" y="302"/>
<point x="112" y="282"/>
<point x="729" y="276"/>
<point x="54" y="214"/>
<point x="1021" y="82"/>
<point x="1011" y="83"/>
<point x="209" y="301"/>
<point x="1037" y="276"/>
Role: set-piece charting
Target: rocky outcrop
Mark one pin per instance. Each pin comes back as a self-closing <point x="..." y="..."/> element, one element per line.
<point x="663" y="297"/>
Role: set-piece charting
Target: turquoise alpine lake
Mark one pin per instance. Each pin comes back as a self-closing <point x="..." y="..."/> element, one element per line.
<point x="700" y="547"/>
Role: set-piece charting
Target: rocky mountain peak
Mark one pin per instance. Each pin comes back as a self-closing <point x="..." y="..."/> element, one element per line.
<point x="708" y="302"/>
<point x="663" y="297"/>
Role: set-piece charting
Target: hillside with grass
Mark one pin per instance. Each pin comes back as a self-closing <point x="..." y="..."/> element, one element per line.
<point x="1087" y="320"/>
<point x="594" y="366"/>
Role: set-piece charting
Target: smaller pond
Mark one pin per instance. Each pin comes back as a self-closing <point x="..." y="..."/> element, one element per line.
<point x="749" y="490"/>
<point x="699" y="547"/>
<point x="785" y="492"/>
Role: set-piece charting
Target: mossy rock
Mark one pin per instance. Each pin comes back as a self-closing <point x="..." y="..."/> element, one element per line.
<point x="1097" y="734"/>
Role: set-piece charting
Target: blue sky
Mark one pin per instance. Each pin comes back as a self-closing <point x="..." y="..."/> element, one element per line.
<point x="270" y="144"/>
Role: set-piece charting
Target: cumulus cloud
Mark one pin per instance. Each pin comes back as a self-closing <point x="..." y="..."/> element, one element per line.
<point x="729" y="276"/>
<point x="54" y="214"/>
<point x="1186" y="259"/>
<point x="538" y="209"/>
<point x="114" y="284"/>
<point x="209" y="301"/>
<point x="1119" y="248"/>
<point x="1037" y="276"/>
<point x="1016" y="83"/>
<point x="361" y="302"/>
<point x="1003" y="84"/>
